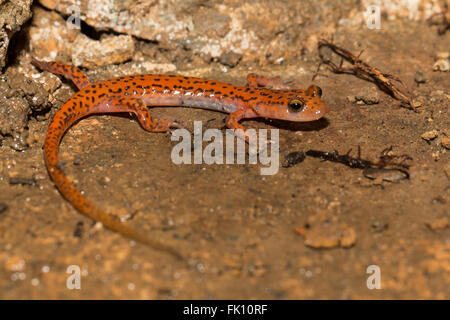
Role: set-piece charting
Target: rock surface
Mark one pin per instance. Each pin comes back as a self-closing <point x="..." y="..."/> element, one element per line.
<point x="213" y="28"/>
<point x="13" y="14"/>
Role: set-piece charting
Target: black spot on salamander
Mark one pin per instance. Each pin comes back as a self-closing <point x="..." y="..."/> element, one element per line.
<point x="156" y="79"/>
<point x="172" y="75"/>
<point x="157" y="85"/>
<point x="186" y="78"/>
<point x="213" y="83"/>
<point x="197" y="81"/>
<point x="94" y="86"/>
<point x="127" y="87"/>
<point x="101" y="95"/>
<point x="133" y="83"/>
<point x="87" y="91"/>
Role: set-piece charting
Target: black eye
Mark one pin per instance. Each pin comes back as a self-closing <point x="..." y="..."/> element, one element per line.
<point x="319" y="92"/>
<point x="314" y="91"/>
<point x="296" y="105"/>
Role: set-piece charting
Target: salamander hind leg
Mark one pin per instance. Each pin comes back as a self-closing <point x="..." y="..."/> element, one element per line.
<point x="143" y="114"/>
<point x="70" y="72"/>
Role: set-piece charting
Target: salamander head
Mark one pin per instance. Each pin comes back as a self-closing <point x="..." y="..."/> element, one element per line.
<point x="298" y="105"/>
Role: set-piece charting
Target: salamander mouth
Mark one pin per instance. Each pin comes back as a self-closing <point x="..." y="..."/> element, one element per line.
<point x="313" y="113"/>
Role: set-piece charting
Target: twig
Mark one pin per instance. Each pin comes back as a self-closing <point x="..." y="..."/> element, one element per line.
<point x="385" y="160"/>
<point x="386" y="82"/>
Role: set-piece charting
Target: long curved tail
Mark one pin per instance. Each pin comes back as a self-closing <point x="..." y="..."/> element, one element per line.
<point x="59" y="124"/>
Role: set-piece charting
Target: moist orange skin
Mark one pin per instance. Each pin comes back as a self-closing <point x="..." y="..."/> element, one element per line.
<point x="135" y="93"/>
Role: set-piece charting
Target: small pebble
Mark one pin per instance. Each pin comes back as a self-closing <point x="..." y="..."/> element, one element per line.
<point x="22" y="181"/>
<point x="3" y="207"/>
<point x="420" y="77"/>
<point x="293" y="159"/>
<point x="230" y="59"/>
<point x="383" y="174"/>
<point x="437" y="224"/>
<point x="441" y="65"/>
<point x="429" y="135"/>
<point x="368" y="95"/>
<point x="444" y="141"/>
<point x="15" y="264"/>
<point x="379" y="226"/>
<point x="351" y="99"/>
<point x="78" y="232"/>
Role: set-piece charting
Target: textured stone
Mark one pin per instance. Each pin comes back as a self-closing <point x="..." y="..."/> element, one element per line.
<point x="260" y="28"/>
<point x="13" y="14"/>
<point x="110" y="49"/>
<point x="49" y="37"/>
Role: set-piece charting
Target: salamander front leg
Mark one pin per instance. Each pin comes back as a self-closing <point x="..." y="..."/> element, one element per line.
<point x="255" y="81"/>
<point x="232" y="122"/>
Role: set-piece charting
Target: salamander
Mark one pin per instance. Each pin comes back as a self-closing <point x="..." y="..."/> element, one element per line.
<point x="262" y="97"/>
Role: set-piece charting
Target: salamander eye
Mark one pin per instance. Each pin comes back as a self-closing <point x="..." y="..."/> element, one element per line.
<point x="314" y="91"/>
<point x="296" y="105"/>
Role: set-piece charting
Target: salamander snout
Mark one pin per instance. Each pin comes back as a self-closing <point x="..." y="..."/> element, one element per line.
<point x="307" y="105"/>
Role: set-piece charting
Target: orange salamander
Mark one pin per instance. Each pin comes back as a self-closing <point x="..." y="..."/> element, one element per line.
<point x="135" y="93"/>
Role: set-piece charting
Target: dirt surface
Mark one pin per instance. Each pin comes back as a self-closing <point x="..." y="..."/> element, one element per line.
<point x="309" y="231"/>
